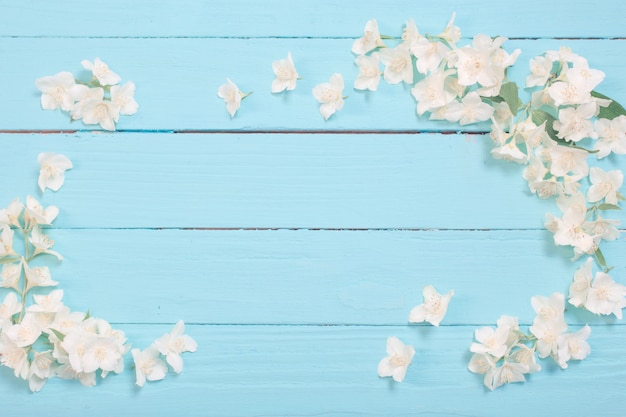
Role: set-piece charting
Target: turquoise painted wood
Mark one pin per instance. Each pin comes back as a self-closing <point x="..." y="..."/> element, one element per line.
<point x="293" y="247"/>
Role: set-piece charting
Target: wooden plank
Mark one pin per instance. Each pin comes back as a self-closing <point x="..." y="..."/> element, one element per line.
<point x="323" y="18"/>
<point x="313" y="277"/>
<point x="178" y="90"/>
<point x="277" y="371"/>
<point x="278" y="181"/>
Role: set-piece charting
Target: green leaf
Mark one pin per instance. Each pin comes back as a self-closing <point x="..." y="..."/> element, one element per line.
<point x="612" y="110"/>
<point x="58" y="334"/>
<point x="509" y="93"/>
<point x="607" y="206"/>
<point x="87" y="315"/>
<point x="600" y="258"/>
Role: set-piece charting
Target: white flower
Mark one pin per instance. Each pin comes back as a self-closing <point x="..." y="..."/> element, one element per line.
<point x="398" y="64"/>
<point x="549" y="310"/>
<point x="604" y="185"/>
<point x="471" y="109"/>
<point x="330" y="95"/>
<point x="526" y="356"/>
<point x="49" y="303"/>
<point x="564" y="93"/>
<point x="42" y="243"/>
<point x="398" y="360"/>
<point x="38" y="276"/>
<point x="13" y="356"/>
<point x="11" y="276"/>
<point x="42" y="367"/>
<point x="9" y="307"/>
<point x="36" y="214"/>
<point x="565" y="160"/>
<point x="573" y="346"/>
<point x="434" y="307"/>
<point x="540" y="68"/>
<point x="481" y="363"/>
<point x="606" y="296"/>
<point x="491" y="341"/>
<point x="574" y="124"/>
<point x="84" y="95"/>
<point x="570" y="231"/>
<point x="370" y="39"/>
<point x="474" y="63"/>
<point x="611" y="136"/>
<point x="123" y="97"/>
<point x="6" y="241"/>
<point x="286" y="74"/>
<point x="11" y="215"/>
<point x="451" y="33"/>
<point x="24" y="333"/>
<point x="173" y="344"/>
<point x="101" y="72"/>
<point x="56" y="91"/>
<point x="369" y="72"/>
<point x="579" y="287"/>
<point x="433" y="92"/>
<point x="52" y="170"/>
<point x="547" y="334"/>
<point x="102" y="112"/>
<point x="429" y="54"/>
<point x="148" y="365"/>
<point x="232" y="96"/>
<point x="410" y="34"/>
<point x="507" y="373"/>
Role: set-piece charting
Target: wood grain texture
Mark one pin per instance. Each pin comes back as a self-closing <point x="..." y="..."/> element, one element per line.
<point x="177" y="90"/>
<point x="293" y="246"/>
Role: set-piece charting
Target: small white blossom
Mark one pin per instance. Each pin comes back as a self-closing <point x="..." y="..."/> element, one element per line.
<point x="232" y="96"/>
<point x="433" y="92"/>
<point x="570" y="231"/>
<point x="11" y="274"/>
<point x="573" y="346"/>
<point x="549" y="310"/>
<point x="579" y="288"/>
<point x="173" y="344"/>
<point x="101" y="72"/>
<point x="286" y="75"/>
<point x="100" y="112"/>
<point x="11" y="215"/>
<point x="370" y="39"/>
<point x="604" y="185"/>
<point x="24" y="333"/>
<point x="13" y="356"/>
<point x="35" y="213"/>
<point x="398" y="65"/>
<point x="397" y="361"/>
<point x="52" y="170"/>
<point x="574" y="124"/>
<point x="611" y="136"/>
<point x="429" y="54"/>
<point x="540" y="68"/>
<point x="42" y="367"/>
<point x="56" y="91"/>
<point x="369" y="72"/>
<point x="567" y="160"/>
<point x="6" y="241"/>
<point x="434" y="307"/>
<point x="9" y="307"/>
<point x="507" y="373"/>
<point x="148" y="365"/>
<point x="42" y="243"/>
<point x="123" y="98"/>
<point x="471" y="109"/>
<point x="547" y="334"/>
<point x="491" y="341"/>
<point x="38" y="276"/>
<point x="330" y="95"/>
<point x="606" y="296"/>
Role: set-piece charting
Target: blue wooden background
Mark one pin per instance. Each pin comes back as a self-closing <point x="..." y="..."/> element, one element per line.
<point x="292" y="246"/>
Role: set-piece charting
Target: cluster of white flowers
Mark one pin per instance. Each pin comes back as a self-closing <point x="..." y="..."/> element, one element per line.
<point x="97" y="101"/>
<point x="149" y="363"/>
<point x="400" y="356"/>
<point x="506" y="354"/>
<point x="45" y="339"/>
<point x="600" y="294"/>
<point x="458" y="84"/>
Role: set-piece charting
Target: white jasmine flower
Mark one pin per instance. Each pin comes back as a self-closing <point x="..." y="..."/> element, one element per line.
<point x="507" y="373"/>
<point x="564" y="93"/>
<point x="52" y="170"/>
<point x="549" y="310"/>
<point x="510" y="152"/>
<point x="568" y="160"/>
<point x="540" y="71"/>
<point x="575" y="124"/>
<point x="611" y="136"/>
<point x="49" y="303"/>
<point x="369" y="72"/>
<point x="36" y="214"/>
<point x="232" y="96"/>
<point x="24" y="333"/>
<point x="42" y="244"/>
<point x="603" y="229"/>
<point x="451" y="33"/>
<point x="6" y="242"/>
<point x="173" y="344"/>
<point x="102" y="112"/>
<point x="123" y="97"/>
<point x="434" y="307"/>
<point x="83" y="96"/>
<point x="10" y="216"/>
<point x="547" y="334"/>
<point x="570" y="231"/>
<point x="56" y="91"/>
<point x="370" y="39"/>
<point x="579" y="288"/>
<point x="398" y="65"/>
<point x="606" y="296"/>
<point x="481" y="363"/>
<point x="583" y="77"/>
<point x="330" y="95"/>
<point x="42" y="367"/>
<point x="535" y="170"/>
<point x="410" y="34"/>
<point x="604" y="185"/>
<point x="573" y="346"/>
<point x="148" y="365"/>
<point x="9" y="307"/>
<point x="474" y="63"/>
<point x="524" y="355"/>
<point x="13" y="356"/>
<point x="397" y="361"/>
<point x="286" y="74"/>
<point x="101" y="72"/>
<point x="11" y="274"/>
<point x="38" y="276"/>
<point x="491" y="341"/>
<point x="433" y="92"/>
<point x="429" y="54"/>
<point x="471" y="109"/>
